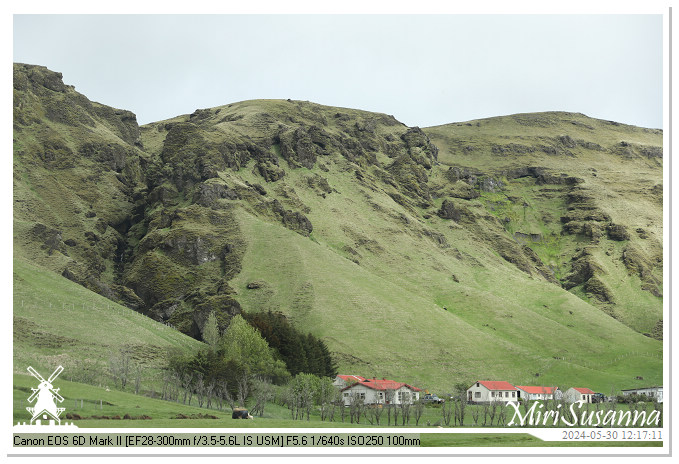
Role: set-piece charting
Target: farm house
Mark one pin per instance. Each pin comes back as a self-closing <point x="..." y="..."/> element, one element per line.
<point x="375" y="391"/>
<point x="487" y="391"/>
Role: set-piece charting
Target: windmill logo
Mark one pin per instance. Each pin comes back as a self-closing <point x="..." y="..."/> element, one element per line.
<point x="46" y="395"/>
<point x="45" y="412"/>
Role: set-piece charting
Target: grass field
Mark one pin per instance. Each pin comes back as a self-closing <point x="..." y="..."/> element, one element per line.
<point x="101" y="408"/>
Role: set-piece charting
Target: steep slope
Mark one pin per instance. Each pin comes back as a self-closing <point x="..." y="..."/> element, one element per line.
<point x="440" y="255"/>
<point x="77" y="168"/>
<point x="584" y="194"/>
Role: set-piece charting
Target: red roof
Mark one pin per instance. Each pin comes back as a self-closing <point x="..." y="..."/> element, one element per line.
<point x="538" y="390"/>
<point x="584" y="391"/>
<point x="383" y="384"/>
<point x="351" y="378"/>
<point x="496" y="385"/>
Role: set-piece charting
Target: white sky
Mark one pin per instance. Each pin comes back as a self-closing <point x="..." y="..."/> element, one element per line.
<point x="424" y="69"/>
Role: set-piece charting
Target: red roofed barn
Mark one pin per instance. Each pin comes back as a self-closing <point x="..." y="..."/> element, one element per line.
<point x="486" y="391"/>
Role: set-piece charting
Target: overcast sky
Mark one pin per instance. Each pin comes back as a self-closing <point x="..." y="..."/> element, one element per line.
<point x="423" y="69"/>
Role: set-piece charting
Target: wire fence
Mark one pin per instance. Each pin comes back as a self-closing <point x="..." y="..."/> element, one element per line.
<point x="22" y="300"/>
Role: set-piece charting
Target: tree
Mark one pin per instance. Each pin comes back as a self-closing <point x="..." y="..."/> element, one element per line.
<point x="356" y="407"/>
<point x="326" y="396"/>
<point x="460" y="406"/>
<point x="262" y="391"/>
<point x="405" y="407"/>
<point x="447" y="411"/>
<point x="301" y="394"/>
<point x="300" y="352"/>
<point x="243" y="345"/>
<point x="211" y="331"/>
<point x="119" y="367"/>
<point x="389" y="395"/>
<point x="475" y="415"/>
<point x="419" y="409"/>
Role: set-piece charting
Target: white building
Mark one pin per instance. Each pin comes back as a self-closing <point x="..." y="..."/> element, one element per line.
<point x="486" y="391"/>
<point x="650" y="392"/>
<point x="374" y="391"/>
<point x="539" y="393"/>
<point x="576" y="394"/>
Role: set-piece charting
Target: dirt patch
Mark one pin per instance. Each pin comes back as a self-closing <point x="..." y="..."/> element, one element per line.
<point x="195" y="416"/>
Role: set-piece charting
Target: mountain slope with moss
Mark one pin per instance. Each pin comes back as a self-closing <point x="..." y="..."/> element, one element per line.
<point x="512" y="247"/>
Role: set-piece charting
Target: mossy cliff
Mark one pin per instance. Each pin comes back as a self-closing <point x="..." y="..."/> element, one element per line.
<point x="355" y="226"/>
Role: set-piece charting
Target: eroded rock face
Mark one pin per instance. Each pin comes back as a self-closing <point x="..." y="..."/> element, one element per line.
<point x="157" y="226"/>
<point x="448" y="210"/>
<point x="639" y="263"/>
<point x="293" y="220"/>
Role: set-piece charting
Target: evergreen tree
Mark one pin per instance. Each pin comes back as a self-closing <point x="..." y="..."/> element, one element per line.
<point x="211" y="331"/>
<point x="302" y="353"/>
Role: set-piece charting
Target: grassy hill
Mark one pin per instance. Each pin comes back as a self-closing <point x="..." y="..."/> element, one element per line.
<point x="525" y="248"/>
<point x="58" y="322"/>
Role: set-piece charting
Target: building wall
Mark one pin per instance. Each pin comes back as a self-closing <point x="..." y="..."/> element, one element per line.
<point x="650" y="392"/>
<point x="371" y="396"/>
<point x="339" y="382"/>
<point x="573" y="396"/>
<point x="480" y="394"/>
<point x="536" y="396"/>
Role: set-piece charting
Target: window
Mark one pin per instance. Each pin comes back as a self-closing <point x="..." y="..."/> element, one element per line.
<point x="506" y="394"/>
<point x="477" y="394"/>
<point x="513" y="394"/>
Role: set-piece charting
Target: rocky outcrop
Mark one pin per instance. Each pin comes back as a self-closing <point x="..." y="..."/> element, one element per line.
<point x="293" y="220"/>
<point x="639" y="263"/>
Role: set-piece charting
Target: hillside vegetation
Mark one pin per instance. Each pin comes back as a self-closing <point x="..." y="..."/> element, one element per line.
<point x="525" y="248"/>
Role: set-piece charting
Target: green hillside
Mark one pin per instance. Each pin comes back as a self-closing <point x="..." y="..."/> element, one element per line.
<point x="57" y="322"/>
<point x="525" y="248"/>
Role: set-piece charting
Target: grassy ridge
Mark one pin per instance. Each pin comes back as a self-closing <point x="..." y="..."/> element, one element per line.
<point x="59" y="322"/>
<point x="618" y="170"/>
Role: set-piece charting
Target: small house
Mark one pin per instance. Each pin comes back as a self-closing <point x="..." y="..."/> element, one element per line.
<point x="652" y="393"/>
<point x="539" y="393"/>
<point x="575" y="394"/>
<point x="342" y="381"/>
<point x="488" y="391"/>
<point x="375" y="391"/>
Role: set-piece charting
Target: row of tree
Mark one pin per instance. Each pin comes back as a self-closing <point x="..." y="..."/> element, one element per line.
<point x="254" y="353"/>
